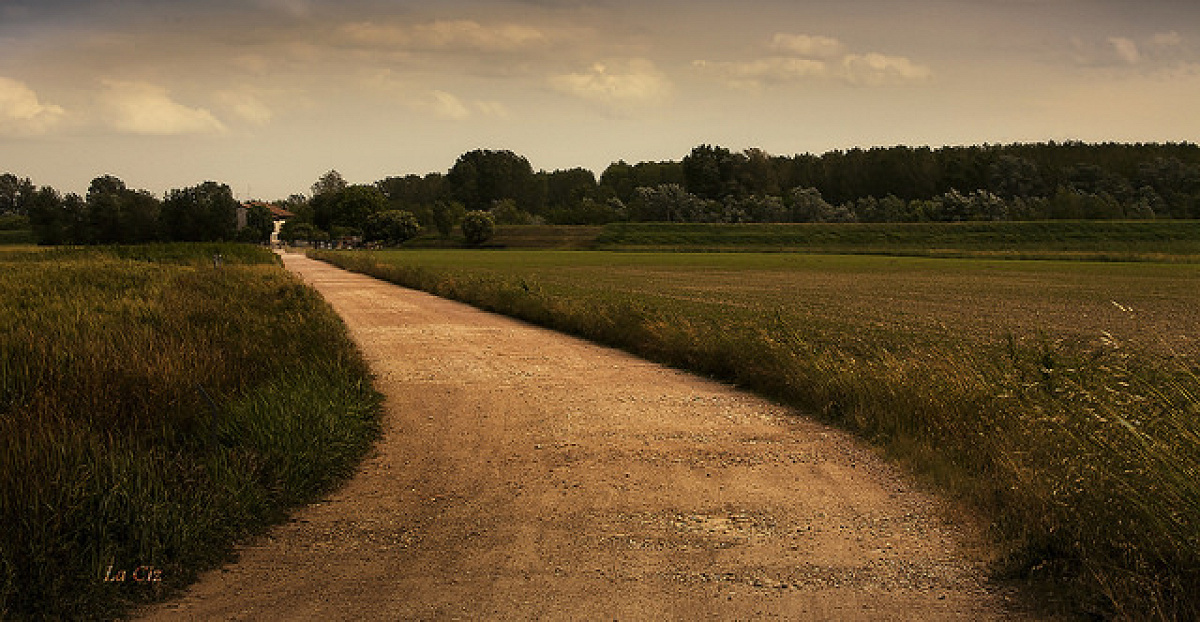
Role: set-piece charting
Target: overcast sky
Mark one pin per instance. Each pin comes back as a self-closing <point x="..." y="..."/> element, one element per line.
<point x="266" y="95"/>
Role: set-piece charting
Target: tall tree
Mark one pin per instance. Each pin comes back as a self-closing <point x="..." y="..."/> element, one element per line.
<point x="201" y="213"/>
<point x="329" y="183"/>
<point x="15" y="194"/>
<point x="482" y="177"/>
<point x="106" y="204"/>
<point x="347" y="208"/>
<point x="711" y="172"/>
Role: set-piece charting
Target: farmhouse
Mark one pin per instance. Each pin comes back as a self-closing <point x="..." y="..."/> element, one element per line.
<point x="278" y="215"/>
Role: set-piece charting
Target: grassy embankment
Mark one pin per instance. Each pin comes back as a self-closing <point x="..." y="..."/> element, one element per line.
<point x="1162" y="240"/>
<point x="114" y="463"/>
<point x="1155" y="241"/>
<point x="1060" y="398"/>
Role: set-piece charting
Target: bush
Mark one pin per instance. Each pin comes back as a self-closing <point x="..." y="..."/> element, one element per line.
<point x="391" y="227"/>
<point x="478" y="227"/>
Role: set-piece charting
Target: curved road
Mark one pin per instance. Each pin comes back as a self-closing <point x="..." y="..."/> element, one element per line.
<point x="524" y="474"/>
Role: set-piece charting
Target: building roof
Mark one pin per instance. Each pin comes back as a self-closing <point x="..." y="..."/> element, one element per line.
<point x="278" y="213"/>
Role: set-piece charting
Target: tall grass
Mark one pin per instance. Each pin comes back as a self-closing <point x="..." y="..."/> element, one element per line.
<point x="112" y="456"/>
<point x="1085" y="453"/>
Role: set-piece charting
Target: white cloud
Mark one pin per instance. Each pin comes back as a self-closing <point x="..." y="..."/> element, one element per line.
<point x="807" y="46"/>
<point x="143" y="108"/>
<point x="1127" y="49"/>
<point x="633" y="84"/>
<point x="21" y="112"/>
<point x="878" y="69"/>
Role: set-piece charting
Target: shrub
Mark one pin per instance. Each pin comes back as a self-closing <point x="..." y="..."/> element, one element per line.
<point x="478" y="227"/>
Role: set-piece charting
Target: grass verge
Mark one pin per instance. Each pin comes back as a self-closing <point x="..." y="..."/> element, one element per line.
<point x="154" y="409"/>
<point x="1085" y="452"/>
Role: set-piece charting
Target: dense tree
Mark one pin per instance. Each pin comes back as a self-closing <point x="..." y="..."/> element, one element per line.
<point x="711" y="172"/>
<point x="16" y="194"/>
<point x="260" y="224"/>
<point x="416" y="194"/>
<point x="1014" y="176"/>
<point x="329" y="183"/>
<point x="758" y="174"/>
<point x="621" y="180"/>
<point x="54" y="221"/>
<point x="447" y="215"/>
<point x="662" y="203"/>
<point x="347" y="209"/>
<point x="119" y="215"/>
<point x="506" y="212"/>
<point x="807" y="205"/>
<point x="295" y="230"/>
<point x="391" y="227"/>
<point x="482" y="177"/>
<point x="567" y="189"/>
<point x="202" y="213"/>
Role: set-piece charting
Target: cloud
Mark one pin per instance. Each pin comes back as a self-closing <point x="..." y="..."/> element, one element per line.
<point x="1166" y="40"/>
<point x="245" y="106"/>
<point x="1127" y="49"/>
<point x="878" y="69"/>
<point x="442" y="35"/>
<point x="775" y="70"/>
<point x="143" y="108"/>
<point x="21" y="112"/>
<point x="1153" y="53"/>
<point x="449" y="107"/>
<point x="633" y="84"/>
<point x="810" y="57"/>
<point x="807" y="46"/>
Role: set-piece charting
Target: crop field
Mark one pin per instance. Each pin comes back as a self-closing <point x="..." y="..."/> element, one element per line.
<point x="1060" y="398"/>
<point x="156" y="408"/>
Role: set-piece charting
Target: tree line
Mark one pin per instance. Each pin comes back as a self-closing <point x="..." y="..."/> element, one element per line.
<point x="113" y="213"/>
<point x="1070" y="180"/>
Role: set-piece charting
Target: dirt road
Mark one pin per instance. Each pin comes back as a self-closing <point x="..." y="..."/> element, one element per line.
<point x="527" y="475"/>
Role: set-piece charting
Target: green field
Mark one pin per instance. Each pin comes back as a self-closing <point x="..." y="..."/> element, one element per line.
<point x="155" y="409"/>
<point x="1057" y="397"/>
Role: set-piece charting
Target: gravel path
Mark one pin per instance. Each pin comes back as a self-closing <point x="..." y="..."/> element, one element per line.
<point x="524" y="474"/>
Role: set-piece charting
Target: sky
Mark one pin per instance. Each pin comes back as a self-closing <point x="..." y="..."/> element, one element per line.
<point x="268" y="95"/>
